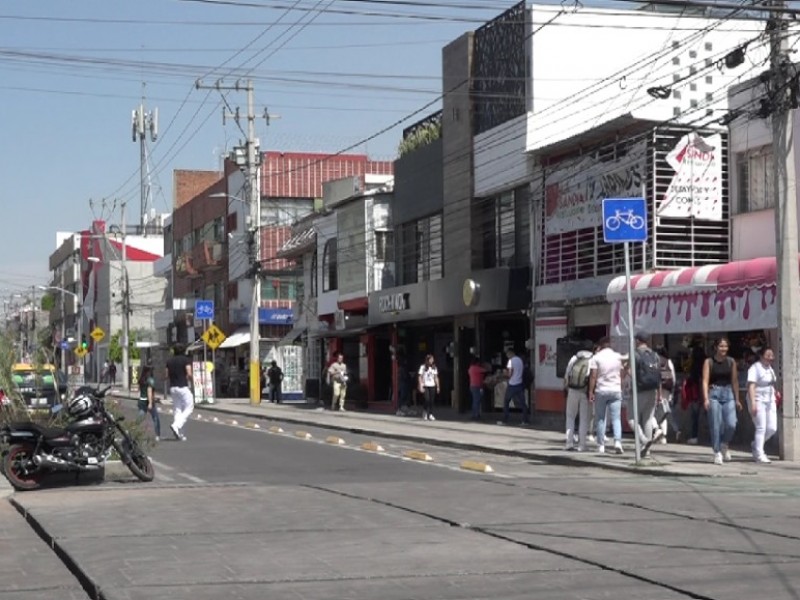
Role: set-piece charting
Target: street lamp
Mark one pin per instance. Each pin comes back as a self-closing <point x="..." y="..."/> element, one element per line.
<point x="64" y="318"/>
<point x="255" y="302"/>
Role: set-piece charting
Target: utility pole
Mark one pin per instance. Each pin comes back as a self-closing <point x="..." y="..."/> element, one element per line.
<point x="32" y="334"/>
<point x="788" y="278"/>
<point x="254" y="198"/>
<point x="144" y="122"/>
<point x="125" y="305"/>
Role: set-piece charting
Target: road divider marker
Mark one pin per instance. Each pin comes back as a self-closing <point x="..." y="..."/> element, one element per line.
<point x="169" y="412"/>
<point x="275" y="429"/>
<point x="477" y="466"/>
<point x="215" y="419"/>
<point x="254" y="426"/>
<point x="335" y="440"/>
<point x="372" y="447"/>
<point x="418" y="455"/>
<point x="304" y="435"/>
<point x="234" y="422"/>
<point x="199" y="417"/>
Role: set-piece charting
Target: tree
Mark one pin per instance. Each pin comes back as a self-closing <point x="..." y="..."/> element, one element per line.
<point x="48" y="302"/>
<point x="115" y="348"/>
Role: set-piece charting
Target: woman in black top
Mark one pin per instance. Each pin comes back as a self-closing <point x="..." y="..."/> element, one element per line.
<point x="721" y="399"/>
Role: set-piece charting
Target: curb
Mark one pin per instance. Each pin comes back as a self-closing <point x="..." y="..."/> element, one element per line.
<point x="5" y="487"/>
<point x="565" y="461"/>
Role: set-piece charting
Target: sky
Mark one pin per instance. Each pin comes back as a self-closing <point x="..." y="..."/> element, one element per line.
<point x="333" y="73"/>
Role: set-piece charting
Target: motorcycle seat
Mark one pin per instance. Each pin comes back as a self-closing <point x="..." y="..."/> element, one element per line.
<point x="48" y="433"/>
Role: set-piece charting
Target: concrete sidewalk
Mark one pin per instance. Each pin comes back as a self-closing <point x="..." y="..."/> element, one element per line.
<point x="512" y="440"/>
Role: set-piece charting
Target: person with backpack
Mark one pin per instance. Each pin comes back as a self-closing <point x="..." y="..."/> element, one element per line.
<point x="721" y="399"/>
<point x="576" y="383"/>
<point x="648" y="387"/>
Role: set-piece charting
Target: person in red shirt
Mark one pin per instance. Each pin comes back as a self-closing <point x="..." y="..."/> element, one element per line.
<point x="476" y="376"/>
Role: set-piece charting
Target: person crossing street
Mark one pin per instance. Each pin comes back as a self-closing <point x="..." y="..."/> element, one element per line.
<point x="179" y="374"/>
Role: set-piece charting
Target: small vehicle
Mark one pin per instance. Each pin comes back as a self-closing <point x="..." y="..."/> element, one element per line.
<point x="85" y="444"/>
<point x="43" y="388"/>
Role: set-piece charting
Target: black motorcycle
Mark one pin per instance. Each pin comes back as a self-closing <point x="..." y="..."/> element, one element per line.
<point x="84" y="445"/>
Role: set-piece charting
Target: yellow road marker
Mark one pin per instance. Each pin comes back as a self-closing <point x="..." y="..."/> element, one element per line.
<point x="418" y="455"/>
<point x="302" y="435"/>
<point x="275" y="429"/>
<point x="335" y="440"/>
<point x="372" y="447"/>
<point x="473" y="465"/>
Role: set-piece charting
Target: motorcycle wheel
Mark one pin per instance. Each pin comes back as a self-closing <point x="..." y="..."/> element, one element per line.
<point x="19" y="469"/>
<point x="135" y="459"/>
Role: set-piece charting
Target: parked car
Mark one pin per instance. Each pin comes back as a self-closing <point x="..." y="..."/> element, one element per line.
<point x="43" y="388"/>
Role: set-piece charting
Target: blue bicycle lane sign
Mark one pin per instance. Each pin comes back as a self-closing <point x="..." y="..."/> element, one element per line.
<point x="624" y="220"/>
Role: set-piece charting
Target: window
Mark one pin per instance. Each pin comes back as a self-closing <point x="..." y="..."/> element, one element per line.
<point x="421" y="253"/>
<point x="754" y="179"/>
<point x="330" y="280"/>
<point x="284" y="211"/>
<point x="502" y="224"/>
<point x="282" y="287"/>
<point x="384" y="246"/>
<point x="313" y="281"/>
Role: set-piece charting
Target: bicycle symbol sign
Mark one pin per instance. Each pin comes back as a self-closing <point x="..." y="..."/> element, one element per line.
<point x="624" y="220"/>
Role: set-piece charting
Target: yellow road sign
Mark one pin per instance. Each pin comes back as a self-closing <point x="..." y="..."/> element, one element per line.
<point x="213" y="336"/>
<point x="98" y="334"/>
<point x="80" y="351"/>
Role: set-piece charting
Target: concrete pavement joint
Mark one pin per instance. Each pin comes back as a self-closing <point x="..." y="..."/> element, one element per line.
<point x="89" y="586"/>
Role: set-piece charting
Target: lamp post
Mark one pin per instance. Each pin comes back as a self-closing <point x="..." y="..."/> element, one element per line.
<point x="64" y="318"/>
<point x="255" y="302"/>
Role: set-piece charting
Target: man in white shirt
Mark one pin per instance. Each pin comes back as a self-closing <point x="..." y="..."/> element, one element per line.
<point x="605" y="392"/>
<point x="515" y="390"/>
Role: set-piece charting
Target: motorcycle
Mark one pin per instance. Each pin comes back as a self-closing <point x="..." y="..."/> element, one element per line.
<point x="85" y="444"/>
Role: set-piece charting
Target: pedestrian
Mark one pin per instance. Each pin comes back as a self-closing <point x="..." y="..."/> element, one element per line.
<point x="605" y="391"/>
<point x="337" y="373"/>
<point x="179" y="376"/>
<point x="477" y="375"/>
<point x="761" y="383"/>
<point x="721" y="399"/>
<point x="112" y="373"/>
<point x="516" y="388"/>
<point x="403" y="384"/>
<point x="106" y="373"/>
<point x="275" y="376"/>
<point x="147" y="399"/>
<point x="666" y="407"/>
<point x="648" y="387"/>
<point x="576" y="384"/>
<point x="428" y="386"/>
<point x="691" y="391"/>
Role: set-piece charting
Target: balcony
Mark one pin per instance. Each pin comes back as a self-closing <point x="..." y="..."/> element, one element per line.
<point x="207" y="256"/>
<point x="185" y="268"/>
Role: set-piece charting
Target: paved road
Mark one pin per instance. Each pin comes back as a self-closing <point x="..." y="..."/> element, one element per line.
<point x="243" y="513"/>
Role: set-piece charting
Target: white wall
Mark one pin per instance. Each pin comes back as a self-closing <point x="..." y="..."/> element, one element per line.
<point x="501" y="160"/>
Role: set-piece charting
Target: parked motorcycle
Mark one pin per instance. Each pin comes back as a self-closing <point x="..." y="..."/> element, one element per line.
<point x="84" y="445"/>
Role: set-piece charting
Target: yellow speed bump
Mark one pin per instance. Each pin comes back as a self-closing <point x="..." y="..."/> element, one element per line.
<point x="418" y="455"/>
<point x="474" y="465"/>
<point x="275" y="429"/>
<point x="304" y="435"/>
<point x="372" y="447"/>
<point x="335" y="440"/>
<point x="253" y="425"/>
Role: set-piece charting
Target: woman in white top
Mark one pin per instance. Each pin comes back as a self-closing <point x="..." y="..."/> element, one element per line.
<point x="428" y="384"/>
<point x="761" y="383"/>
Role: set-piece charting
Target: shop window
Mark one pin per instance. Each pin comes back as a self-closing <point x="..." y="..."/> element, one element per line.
<point x="330" y="279"/>
<point x="756" y="189"/>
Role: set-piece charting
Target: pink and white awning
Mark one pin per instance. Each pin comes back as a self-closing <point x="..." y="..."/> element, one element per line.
<point x="736" y="296"/>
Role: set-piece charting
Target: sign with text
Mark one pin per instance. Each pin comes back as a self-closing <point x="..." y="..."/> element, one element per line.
<point x="696" y="188"/>
<point x="389" y="303"/>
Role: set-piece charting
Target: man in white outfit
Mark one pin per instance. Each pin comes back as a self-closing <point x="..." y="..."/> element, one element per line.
<point x="576" y="382"/>
<point x="179" y="376"/>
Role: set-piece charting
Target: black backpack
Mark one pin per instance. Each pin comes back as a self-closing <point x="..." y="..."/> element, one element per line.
<point x="648" y="370"/>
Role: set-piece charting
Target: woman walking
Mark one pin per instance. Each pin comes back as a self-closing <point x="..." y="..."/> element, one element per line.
<point x="476" y="374"/>
<point x="147" y="399"/>
<point x="721" y="399"/>
<point x="428" y="384"/>
<point x="761" y="382"/>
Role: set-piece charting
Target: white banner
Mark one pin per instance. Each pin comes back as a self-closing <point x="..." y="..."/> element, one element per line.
<point x="575" y="189"/>
<point x="547" y="333"/>
<point x="696" y="187"/>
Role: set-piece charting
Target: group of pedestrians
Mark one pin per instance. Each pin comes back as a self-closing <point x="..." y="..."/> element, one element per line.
<point x="600" y="382"/>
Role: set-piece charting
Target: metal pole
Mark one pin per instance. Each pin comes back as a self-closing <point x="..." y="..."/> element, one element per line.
<point x="632" y="351"/>
<point x="788" y="278"/>
<point x="63" y="333"/>
<point x="255" y="214"/>
<point x="125" y="306"/>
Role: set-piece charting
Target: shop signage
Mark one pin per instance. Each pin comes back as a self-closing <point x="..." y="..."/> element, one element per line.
<point x="696" y="188"/>
<point x="275" y="316"/>
<point x="394" y="302"/>
<point x="574" y="188"/>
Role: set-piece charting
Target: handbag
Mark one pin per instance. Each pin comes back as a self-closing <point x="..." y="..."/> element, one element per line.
<point x="662" y="409"/>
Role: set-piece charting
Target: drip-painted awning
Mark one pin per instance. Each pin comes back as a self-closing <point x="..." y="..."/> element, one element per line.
<point x="736" y="296"/>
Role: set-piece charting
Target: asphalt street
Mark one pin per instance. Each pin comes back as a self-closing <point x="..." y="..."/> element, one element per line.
<point x="242" y="512"/>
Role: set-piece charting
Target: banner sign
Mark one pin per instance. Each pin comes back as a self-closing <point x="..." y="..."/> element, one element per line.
<point x="696" y="188"/>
